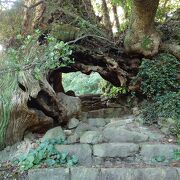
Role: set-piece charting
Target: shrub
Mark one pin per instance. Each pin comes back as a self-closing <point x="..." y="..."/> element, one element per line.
<point x="159" y="75"/>
<point x="160" y="83"/>
<point x="167" y="106"/>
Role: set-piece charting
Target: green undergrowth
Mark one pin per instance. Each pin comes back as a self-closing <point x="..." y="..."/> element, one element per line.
<point x="45" y="155"/>
<point x="159" y="79"/>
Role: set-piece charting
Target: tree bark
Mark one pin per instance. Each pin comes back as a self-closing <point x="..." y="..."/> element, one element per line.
<point x="142" y="36"/>
<point x="106" y="17"/>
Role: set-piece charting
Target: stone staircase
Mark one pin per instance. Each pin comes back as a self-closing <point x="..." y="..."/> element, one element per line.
<point x="114" y="146"/>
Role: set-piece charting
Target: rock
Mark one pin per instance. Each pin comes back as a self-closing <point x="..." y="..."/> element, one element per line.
<point x="178" y="171"/>
<point x="115" y="149"/>
<point x="55" y="133"/>
<point x="73" y="138"/>
<point x="98" y="161"/>
<point x="82" y="151"/>
<point x="119" y="134"/>
<point x="154" y="153"/>
<point x="91" y="137"/>
<point x="153" y="135"/>
<point x="9" y="153"/>
<point x="49" y="174"/>
<point x="136" y="111"/>
<point x="139" y="174"/>
<point x="107" y="120"/>
<point x="29" y="136"/>
<point x="116" y="174"/>
<point x="82" y="127"/>
<point x="107" y="113"/>
<point x="83" y="116"/>
<point x="73" y="123"/>
<point x="95" y="114"/>
<point x="96" y="122"/>
<point x="68" y="132"/>
<point x="85" y="173"/>
<point x="116" y="123"/>
<point x="71" y="104"/>
<point x="166" y="124"/>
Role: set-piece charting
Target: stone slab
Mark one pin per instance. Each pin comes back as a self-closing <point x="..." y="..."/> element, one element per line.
<point x="119" y="134"/>
<point x="82" y="151"/>
<point x="152" y="152"/>
<point x="91" y="137"/>
<point x="80" y="173"/>
<point x="115" y="149"/>
<point x="49" y="174"/>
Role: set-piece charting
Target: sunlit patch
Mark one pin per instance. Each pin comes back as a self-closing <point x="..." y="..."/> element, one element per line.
<point x="7" y="4"/>
<point x="1" y="47"/>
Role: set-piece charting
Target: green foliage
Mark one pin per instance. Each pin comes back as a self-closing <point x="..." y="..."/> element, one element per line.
<point x="160" y="83"/>
<point x="160" y="75"/>
<point x="125" y="4"/>
<point x="45" y="155"/>
<point x="176" y="155"/>
<point x="39" y="58"/>
<point x="165" y="106"/>
<point x="146" y="43"/>
<point x="81" y="83"/>
<point x="159" y="158"/>
<point x="91" y="84"/>
<point x="124" y="26"/>
<point x="165" y="8"/>
<point x="11" y="20"/>
<point x="112" y="91"/>
<point x="30" y="56"/>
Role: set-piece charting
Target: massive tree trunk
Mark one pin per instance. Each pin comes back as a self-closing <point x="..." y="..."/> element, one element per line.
<point x="142" y="36"/>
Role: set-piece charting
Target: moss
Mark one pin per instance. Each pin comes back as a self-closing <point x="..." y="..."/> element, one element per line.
<point x="5" y="116"/>
<point x="65" y="32"/>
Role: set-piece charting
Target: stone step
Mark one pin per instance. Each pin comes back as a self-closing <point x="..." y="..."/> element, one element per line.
<point x="120" y="134"/>
<point x="108" y="113"/>
<point x="115" y="150"/>
<point x="163" y="153"/>
<point x="82" y="151"/>
<point x="82" y="173"/>
<point x="116" y="153"/>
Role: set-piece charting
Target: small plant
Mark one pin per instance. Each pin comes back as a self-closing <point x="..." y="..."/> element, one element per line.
<point x="176" y="155"/>
<point x="112" y="91"/>
<point x="159" y="158"/>
<point x="45" y="155"/>
<point x="146" y="43"/>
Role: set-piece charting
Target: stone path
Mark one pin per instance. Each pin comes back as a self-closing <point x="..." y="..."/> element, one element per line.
<point x="112" y="146"/>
